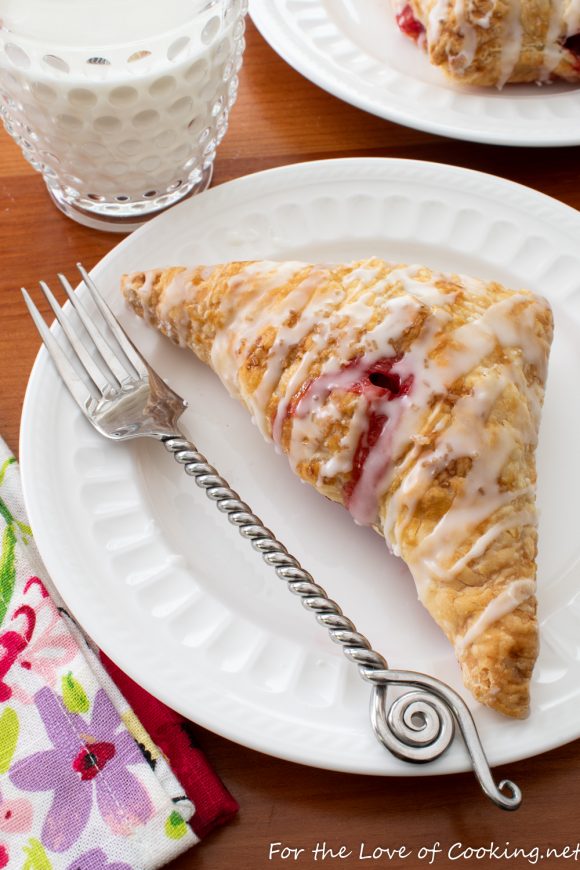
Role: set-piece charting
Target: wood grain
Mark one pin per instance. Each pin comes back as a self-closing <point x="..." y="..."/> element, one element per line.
<point x="282" y="118"/>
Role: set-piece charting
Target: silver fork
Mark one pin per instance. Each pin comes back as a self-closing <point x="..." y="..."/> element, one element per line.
<point x="123" y="397"/>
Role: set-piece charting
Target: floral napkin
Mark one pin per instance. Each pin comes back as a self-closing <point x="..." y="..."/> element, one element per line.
<point x="82" y="784"/>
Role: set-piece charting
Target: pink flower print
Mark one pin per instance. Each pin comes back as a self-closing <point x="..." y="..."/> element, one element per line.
<point x="76" y="775"/>
<point x="12" y="643"/>
<point x="36" y="581"/>
<point x="4" y="856"/>
<point x="52" y="647"/>
<point x="15" y="816"/>
<point x="96" y="859"/>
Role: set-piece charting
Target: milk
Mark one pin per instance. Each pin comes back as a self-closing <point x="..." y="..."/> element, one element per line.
<point x="119" y="103"/>
<point x="98" y="22"/>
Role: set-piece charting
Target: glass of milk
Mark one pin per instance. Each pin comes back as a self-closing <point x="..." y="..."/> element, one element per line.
<point x="120" y="104"/>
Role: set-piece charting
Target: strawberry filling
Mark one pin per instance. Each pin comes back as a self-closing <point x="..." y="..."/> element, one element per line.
<point x="573" y="46"/>
<point x="378" y="383"/>
<point x="365" y="444"/>
<point x="408" y="24"/>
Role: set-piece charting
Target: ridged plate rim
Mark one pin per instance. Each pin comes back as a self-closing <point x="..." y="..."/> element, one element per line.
<point x="280" y="23"/>
<point x="303" y="742"/>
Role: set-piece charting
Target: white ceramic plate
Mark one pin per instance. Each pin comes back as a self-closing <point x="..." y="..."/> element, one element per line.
<point x="354" y="50"/>
<point x="167" y="587"/>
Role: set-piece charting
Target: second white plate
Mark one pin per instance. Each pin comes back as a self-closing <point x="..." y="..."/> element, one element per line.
<point x="355" y="51"/>
<point x="167" y="587"/>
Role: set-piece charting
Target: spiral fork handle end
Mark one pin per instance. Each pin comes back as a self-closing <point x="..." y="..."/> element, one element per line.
<point x="419" y="726"/>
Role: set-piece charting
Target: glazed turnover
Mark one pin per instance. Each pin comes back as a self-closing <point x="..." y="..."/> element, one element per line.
<point x="492" y="42"/>
<point x="411" y="397"/>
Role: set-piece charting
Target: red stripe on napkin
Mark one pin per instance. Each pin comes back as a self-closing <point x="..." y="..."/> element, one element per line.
<point x="174" y="735"/>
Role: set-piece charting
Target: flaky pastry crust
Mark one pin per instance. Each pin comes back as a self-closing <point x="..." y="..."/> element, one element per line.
<point x="410" y="396"/>
<point x="493" y="42"/>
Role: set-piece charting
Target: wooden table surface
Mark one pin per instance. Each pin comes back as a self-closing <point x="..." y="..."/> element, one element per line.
<point x="282" y="118"/>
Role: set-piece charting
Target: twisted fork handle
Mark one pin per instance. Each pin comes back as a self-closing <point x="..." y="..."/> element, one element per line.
<point x="419" y="725"/>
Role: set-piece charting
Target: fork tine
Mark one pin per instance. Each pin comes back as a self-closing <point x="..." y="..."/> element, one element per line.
<point x="77" y="388"/>
<point x="92" y="369"/>
<point x="109" y="357"/>
<point x="125" y="343"/>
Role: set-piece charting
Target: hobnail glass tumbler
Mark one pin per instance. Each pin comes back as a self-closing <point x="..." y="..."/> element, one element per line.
<point x="120" y="104"/>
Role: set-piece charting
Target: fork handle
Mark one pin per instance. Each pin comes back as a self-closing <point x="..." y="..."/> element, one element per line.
<point x="418" y="726"/>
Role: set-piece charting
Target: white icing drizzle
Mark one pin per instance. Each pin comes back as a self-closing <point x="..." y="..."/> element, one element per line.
<point x="175" y="295"/>
<point x="572" y="18"/>
<point x="511" y="42"/>
<point x="341" y="461"/>
<point x="170" y="310"/>
<point x="483" y="21"/>
<point x="512" y="521"/>
<point x="143" y="291"/>
<point x="289" y="336"/>
<point x="249" y="313"/>
<point x="464" y="59"/>
<point x="564" y="21"/>
<point x="462" y="438"/>
<point x="506" y="602"/>
<point x="398" y="313"/>
<point x="467" y="512"/>
<point x="465" y="436"/>
<point x="557" y="27"/>
<point x="408" y="493"/>
<point x="472" y="343"/>
<point x="467" y="23"/>
<point x="422" y="284"/>
<point x="436" y="17"/>
<point x="356" y="312"/>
